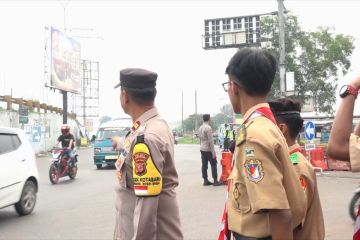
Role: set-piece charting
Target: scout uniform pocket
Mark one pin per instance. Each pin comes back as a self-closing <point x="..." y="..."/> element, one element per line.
<point x="238" y="195"/>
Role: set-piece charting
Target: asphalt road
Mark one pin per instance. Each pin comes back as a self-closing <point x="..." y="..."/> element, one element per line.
<point x="84" y="208"/>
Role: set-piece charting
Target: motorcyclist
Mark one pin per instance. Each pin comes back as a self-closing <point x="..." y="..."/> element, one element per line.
<point x="67" y="141"/>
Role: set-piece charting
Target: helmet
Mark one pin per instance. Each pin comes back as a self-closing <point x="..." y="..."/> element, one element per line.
<point x="65" y="129"/>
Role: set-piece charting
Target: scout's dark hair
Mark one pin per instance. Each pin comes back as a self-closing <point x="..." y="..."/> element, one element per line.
<point x="254" y="70"/>
<point x="206" y="117"/>
<point x="287" y="111"/>
<point x="142" y="97"/>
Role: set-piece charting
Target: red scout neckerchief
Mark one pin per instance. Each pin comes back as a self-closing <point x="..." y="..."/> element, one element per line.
<point x="294" y="150"/>
<point x="266" y="111"/>
<point x="225" y="233"/>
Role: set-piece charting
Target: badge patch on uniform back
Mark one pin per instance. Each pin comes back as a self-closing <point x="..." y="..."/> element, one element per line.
<point x="147" y="178"/>
<point x="254" y="170"/>
<point x="140" y="159"/>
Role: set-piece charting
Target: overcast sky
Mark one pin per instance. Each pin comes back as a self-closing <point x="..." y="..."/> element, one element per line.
<point x="162" y="36"/>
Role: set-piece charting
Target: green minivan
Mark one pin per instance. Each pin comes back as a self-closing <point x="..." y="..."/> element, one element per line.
<point x="103" y="150"/>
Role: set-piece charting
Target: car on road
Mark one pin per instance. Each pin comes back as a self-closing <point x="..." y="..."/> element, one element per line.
<point x="18" y="171"/>
<point x="104" y="153"/>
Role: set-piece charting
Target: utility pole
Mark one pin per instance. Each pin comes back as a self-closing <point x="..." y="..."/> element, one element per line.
<point x="83" y="90"/>
<point x="64" y="93"/>
<point x="64" y="7"/>
<point x="196" y="120"/>
<point x="282" y="64"/>
<point x="182" y="112"/>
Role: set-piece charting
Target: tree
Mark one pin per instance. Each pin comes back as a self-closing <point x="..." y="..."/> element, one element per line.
<point x="226" y="115"/>
<point x="316" y="58"/>
<point x="189" y="123"/>
<point x="104" y="119"/>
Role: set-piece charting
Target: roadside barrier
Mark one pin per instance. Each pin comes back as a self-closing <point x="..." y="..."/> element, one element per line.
<point x="226" y="158"/>
<point x="317" y="158"/>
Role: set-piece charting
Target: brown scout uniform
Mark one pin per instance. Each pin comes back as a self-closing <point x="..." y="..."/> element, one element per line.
<point x="148" y="217"/>
<point x="313" y="224"/>
<point x="262" y="178"/>
<point x="354" y="151"/>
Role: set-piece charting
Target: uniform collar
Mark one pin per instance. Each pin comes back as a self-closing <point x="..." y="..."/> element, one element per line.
<point x="153" y="112"/>
<point x="293" y="147"/>
<point x="250" y="111"/>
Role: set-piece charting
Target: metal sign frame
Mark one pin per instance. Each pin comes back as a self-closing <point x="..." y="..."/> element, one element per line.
<point x="232" y="32"/>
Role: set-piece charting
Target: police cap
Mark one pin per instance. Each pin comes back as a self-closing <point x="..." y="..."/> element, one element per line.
<point x="137" y="78"/>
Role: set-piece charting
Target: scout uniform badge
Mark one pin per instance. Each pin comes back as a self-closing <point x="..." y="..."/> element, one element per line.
<point x="254" y="170"/>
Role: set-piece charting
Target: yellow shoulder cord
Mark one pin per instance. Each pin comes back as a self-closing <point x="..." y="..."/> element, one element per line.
<point x="147" y="178"/>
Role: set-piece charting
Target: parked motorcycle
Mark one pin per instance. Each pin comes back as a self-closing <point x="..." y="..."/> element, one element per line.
<point x="61" y="165"/>
<point x="354" y="204"/>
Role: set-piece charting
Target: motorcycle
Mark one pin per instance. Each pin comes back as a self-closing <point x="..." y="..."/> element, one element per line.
<point x="61" y="165"/>
<point x="354" y="204"/>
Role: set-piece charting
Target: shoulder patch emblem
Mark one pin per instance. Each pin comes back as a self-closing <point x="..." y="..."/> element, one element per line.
<point x="254" y="170"/>
<point x="140" y="159"/>
<point x="146" y="176"/>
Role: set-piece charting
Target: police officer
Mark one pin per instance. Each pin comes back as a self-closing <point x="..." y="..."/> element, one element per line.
<point x="207" y="151"/>
<point x="287" y="115"/>
<point x="265" y="200"/>
<point x="229" y="137"/>
<point x="146" y="203"/>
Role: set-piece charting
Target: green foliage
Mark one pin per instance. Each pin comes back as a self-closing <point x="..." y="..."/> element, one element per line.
<point x="226" y="115"/>
<point x="189" y="123"/>
<point x="189" y="140"/>
<point x="104" y="119"/>
<point x="316" y="58"/>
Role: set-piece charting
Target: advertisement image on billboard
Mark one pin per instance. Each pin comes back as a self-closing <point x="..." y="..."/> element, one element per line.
<point x="65" y="62"/>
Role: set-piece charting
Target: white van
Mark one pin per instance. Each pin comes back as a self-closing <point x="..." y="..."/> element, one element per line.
<point x="18" y="171"/>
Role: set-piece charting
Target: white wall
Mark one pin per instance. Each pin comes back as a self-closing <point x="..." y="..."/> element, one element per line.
<point x="43" y="129"/>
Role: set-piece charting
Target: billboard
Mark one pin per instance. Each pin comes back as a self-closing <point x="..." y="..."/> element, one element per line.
<point x="65" y="67"/>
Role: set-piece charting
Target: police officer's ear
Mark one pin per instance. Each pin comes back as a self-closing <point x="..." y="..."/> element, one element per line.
<point x="125" y="97"/>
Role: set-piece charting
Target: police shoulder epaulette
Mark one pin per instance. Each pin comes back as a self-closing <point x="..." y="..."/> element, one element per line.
<point x="147" y="178"/>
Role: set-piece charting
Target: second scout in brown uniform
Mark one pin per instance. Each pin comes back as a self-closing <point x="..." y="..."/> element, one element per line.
<point x="287" y="114"/>
<point x="146" y="203"/>
<point x="265" y="197"/>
